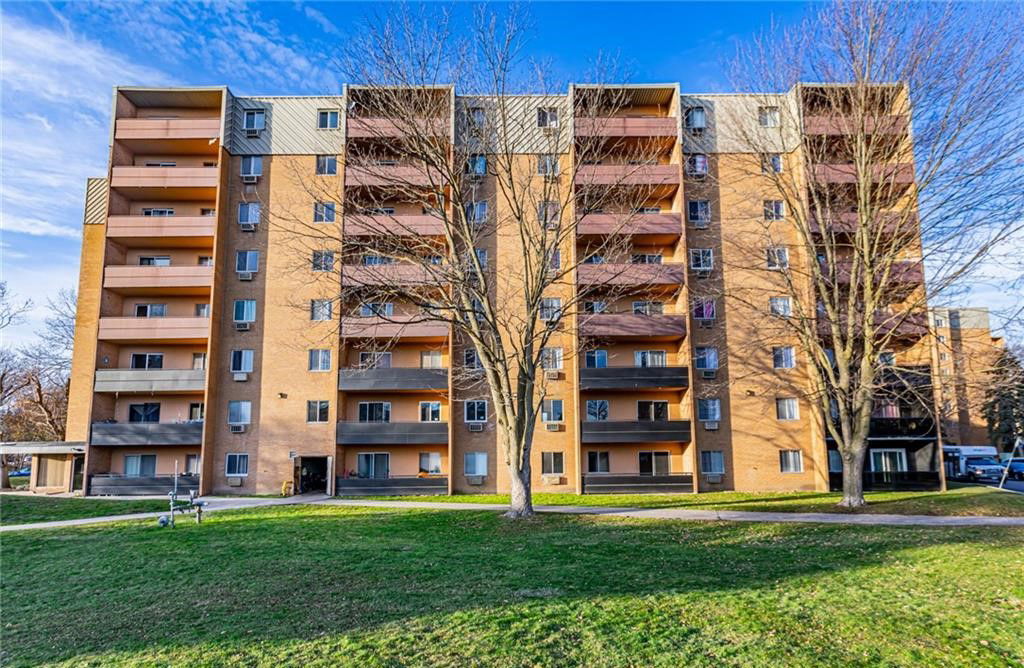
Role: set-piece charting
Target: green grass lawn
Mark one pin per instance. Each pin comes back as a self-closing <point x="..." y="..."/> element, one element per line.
<point x="19" y="509"/>
<point x="959" y="500"/>
<point x="18" y="481"/>
<point x="322" y="585"/>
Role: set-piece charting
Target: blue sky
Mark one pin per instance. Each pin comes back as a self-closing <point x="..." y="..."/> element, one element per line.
<point x="60" y="61"/>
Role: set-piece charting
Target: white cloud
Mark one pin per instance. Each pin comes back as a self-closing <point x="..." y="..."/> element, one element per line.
<point x="38" y="228"/>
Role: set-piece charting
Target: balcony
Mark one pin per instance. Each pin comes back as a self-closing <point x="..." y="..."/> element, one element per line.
<point x="180" y="136"/>
<point x="392" y="433"/>
<point x="636" y="431"/>
<point x="652" y="227"/>
<point x="847" y="223"/>
<point x="162" y="231"/>
<point x="397" y="273"/>
<point x="149" y="280"/>
<point x="891" y="480"/>
<point x="632" y="275"/>
<point x="407" y="328"/>
<point x="635" y="378"/>
<point x="116" y="484"/>
<point x="662" y="179"/>
<point x="146" y="433"/>
<point x="906" y="327"/>
<point x="150" y="380"/>
<point x="634" y="326"/>
<point x="397" y="225"/>
<point x="904" y="276"/>
<point x="394" y="379"/>
<point x="409" y="486"/>
<point x="610" y="483"/>
<point x="844" y="173"/>
<point x="154" y="330"/>
<point x="397" y="176"/>
<point x="165" y="183"/>
<point x="844" y="125"/>
<point x="636" y="126"/>
<point x="387" y="128"/>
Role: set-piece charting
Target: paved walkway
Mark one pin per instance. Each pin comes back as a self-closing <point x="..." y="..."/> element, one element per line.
<point x="215" y="504"/>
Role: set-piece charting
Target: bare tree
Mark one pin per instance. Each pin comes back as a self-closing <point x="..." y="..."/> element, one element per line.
<point x="463" y="212"/>
<point x="12" y="311"/>
<point x="886" y="188"/>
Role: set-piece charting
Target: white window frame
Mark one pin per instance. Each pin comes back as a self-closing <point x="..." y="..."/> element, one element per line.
<point x="650" y="359"/>
<point x="599" y="355"/>
<point x="248" y="213"/>
<point x="693" y="114"/>
<point x="702" y="259"/>
<point x="475" y="403"/>
<point x="693" y="161"/>
<point x="245" y="308"/>
<point x="323" y="261"/>
<point x="705" y="358"/>
<point x="597" y="456"/>
<point x="324" y="165"/>
<point x="244" y="406"/>
<point x="245" y="360"/>
<point x="547" y="117"/>
<point x="321" y="310"/>
<point x="550" y="309"/>
<point x="322" y="114"/>
<point x="547" y="164"/>
<point x="385" y="412"/>
<point x="700" y="207"/>
<point x="319" y="405"/>
<point x="709" y="409"/>
<point x="258" y="118"/>
<point x="777" y="258"/>
<point x="325" y="212"/>
<point x="551" y="359"/>
<point x="769" y="116"/>
<point x="430" y="468"/>
<point x="774" y="209"/>
<point x="596" y="402"/>
<point x="552" y="410"/>
<point x="547" y="461"/>
<point x="717" y="463"/>
<point x="252" y="165"/>
<point x="779" y="412"/>
<point x="374" y="359"/>
<point x="785" y="354"/>
<point x="246" y="266"/>
<point x="238" y="457"/>
<point x="477" y="458"/>
<point x="375" y="310"/>
<point x="784" y="459"/>
<point x="434" y="407"/>
<point x="707" y="305"/>
<point x="778" y="300"/>
<point x="317" y="357"/>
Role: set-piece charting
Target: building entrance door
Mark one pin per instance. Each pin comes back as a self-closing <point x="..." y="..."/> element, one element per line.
<point x="312" y="474"/>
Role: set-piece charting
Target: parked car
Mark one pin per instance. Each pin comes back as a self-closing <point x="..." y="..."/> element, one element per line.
<point x="1015" y="469"/>
<point x="27" y="471"/>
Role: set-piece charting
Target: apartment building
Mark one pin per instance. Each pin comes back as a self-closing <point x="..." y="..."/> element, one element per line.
<point x="193" y="359"/>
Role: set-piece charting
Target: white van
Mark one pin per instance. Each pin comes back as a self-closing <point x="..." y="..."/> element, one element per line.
<point x="971" y="462"/>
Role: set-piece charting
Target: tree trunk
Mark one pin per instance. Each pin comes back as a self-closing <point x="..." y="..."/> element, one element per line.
<point x="853" y="478"/>
<point x="521" y="503"/>
<point x="5" y="479"/>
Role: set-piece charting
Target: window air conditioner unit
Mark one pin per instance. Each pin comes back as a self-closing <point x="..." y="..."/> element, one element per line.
<point x="549" y="130"/>
<point x="250" y="178"/>
<point x="243" y="326"/>
<point x="696" y="132"/>
<point x="475" y="426"/>
<point x="247" y="227"/>
<point x="245" y="275"/>
<point x="234" y="481"/>
<point x="713" y="478"/>
<point x="474" y="480"/>
<point x="551" y="479"/>
<point x="711" y="425"/>
<point x="703" y="273"/>
<point x="237" y="428"/>
<point x="252" y="132"/>
<point x="551" y="226"/>
<point x="706" y="323"/>
<point x="552" y="374"/>
<point x="551" y="177"/>
<point x="240" y="376"/>
<point x="700" y="225"/>
<point x="553" y="426"/>
<point x="708" y="374"/>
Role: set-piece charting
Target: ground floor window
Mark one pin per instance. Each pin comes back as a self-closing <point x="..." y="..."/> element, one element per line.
<point x="889" y="460"/>
<point x="835" y="462"/>
<point x="374" y="464"/>
<point x="192" y="464"/>
<point x="712" y="462"/>
<point x="791" y="461"/>
<point x="430" y="462"/>
<point x="140" y="465"/>
<point x="237" y="464"/>
<point x="476" y="463"/>
<point x="597" y="462"/>
<point x="653" y="463"/>
<point x="552" y="463"/>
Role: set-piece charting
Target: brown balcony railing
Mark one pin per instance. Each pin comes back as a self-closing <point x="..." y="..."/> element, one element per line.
<point x="899" y="174"/>
<point x="154" y="330"/>
<point x="369" y="127"/>
<point x="168" y="128"/>
<point x="399" y="225"/>
<point x="652" y="126"/>
<point x="638" y="275"/>
<point x="405" y="327"/>
<point x="133" y="279"/>
<point x="653" y="224"/>
<point x="842" y="125"/>
<point x="163" y="230"/>
<point x="631" y="325"/>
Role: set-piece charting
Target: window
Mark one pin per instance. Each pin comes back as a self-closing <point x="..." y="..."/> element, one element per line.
<point x="477" y="117"/>
<point x="595" y="307"/>
<point x="552" y="463"/>
<point x="254" y="119"/>
<point x="697" y="165"/>
<point x="245" y="310"/>
<point x="191" y="465"/>
<point x="196" y="411"/>
<point x="597" y="462"/>
<point x="712" y="462"/>
<point x="780" y="306"/>
<point x="556" y="259"/>
<point x="198" y="361"/>
<point x="653" y="463"/>
<point x="476" y="165"/>
<point x="161" y="163"/>
<point x="696" y="119"/>
<point x="768" y="117"/>
<point x="652" y="410"/>
<point x="481" y="257"/>
<point x="147" y="361"/>
<point x="783" y="357"/>
<point x="547" y="164"/>
<point x="239" y="412"/>
<point x="597" y="410"/>
<point x="547" y="213"/>
<point x="327" y="119"/>
<point x="241" y="361"/>
<point x="148" y="412"/>
<point x="320" y="359"/>
<point x="702" y="259"/>
<point x="237" y="465"/>
<point x="249" y="212"/>
<point x="547" y="117"/>
<point x="430" y="462"/>
<point x="202" y="310"/>
<point x="150" y="310"/>
<point x="550" y="308"/>
<point x="475" y="463"/>
<point x="154" y="261"/>
<point x="705" y="358"/>
<point x="247" y="261"/>
<point x="942" y="338"/>
<point x="323" y="260"/>
<point x="207" y="212"/>
<point x="252" y="165"/>
<point x="317" y="411"/>
<point x="709" y="410"/>
<point x="939" y="322"/>
<point x="373" y="465"/>
<point x="771" y="163"/>
<point x="704" y="308"/>
<point x="550" y="358"/>
<point x="596" y="359"/>
<point x="326" y="164"/>
<point x="384" y="309"/>
<point x="471" y="360"/>
<point x="204" y="261"/>
<point x="774" y="209"/>
<point x="648" y="308"/>
<point x="594" y="259"/>
<point x="887" y="358"/>
<point x="646" y="359"/>
<point x="323" y="212"/>
<point x="374" y="360"/>
<point x="551" y="410"/>
<point x="835" y="462"/>
<point x="787" y="409"/>
<point x="698" y="211"/>
<point x="476" y="212"/>
<point x="375" y="411"/>
<point x="791" y="461"/>
<point x="320" y="309"/>
<point x="157" y="212"/>
<point x="136" y="466"/>
<point x="430" y="411"/>
<point x="476" y="410"/>
<point x="645" y="258"/>
<point x="778" y="257"/>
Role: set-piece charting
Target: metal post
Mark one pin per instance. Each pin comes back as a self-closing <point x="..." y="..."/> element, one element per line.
<point x="1017" y="445"/>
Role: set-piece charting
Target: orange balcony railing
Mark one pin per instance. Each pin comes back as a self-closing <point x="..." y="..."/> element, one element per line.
<point x="137" y="280"/>
<point x="154" y="330"/>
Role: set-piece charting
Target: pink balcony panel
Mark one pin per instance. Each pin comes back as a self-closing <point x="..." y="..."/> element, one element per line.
<point x="399" y="273"/>
<point x="842" y="125"/>
<point x="362" y="128"/>
<point x="398" y="176"/>
<point x="654" y="224"/>
<point x="154" y="330"/>
<point x="133" y="279"/>
<point x="398" y="225"/>
<point x="627" y="127"/>
<point x="164" y="177"/>
<point x="404" y="327"/>
<point x="169" y="128"/>
<point x="163" y="230"/>
<point x="630" y="325"/>
<point x="901" y="174"/>
<point x="638" y="275"/>
<point x="628" y="175"/>
<point x="847" y="223"/>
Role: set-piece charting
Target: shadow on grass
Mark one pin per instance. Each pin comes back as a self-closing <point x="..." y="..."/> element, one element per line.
<point x="297" y="572"/>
